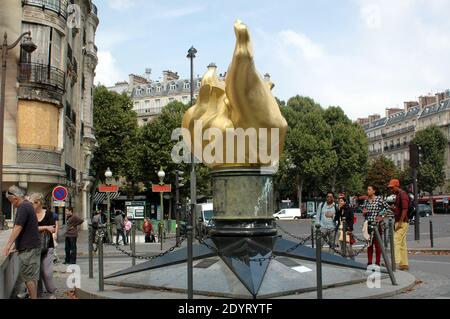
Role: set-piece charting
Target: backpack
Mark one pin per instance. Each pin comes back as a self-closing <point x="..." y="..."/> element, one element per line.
<point x="411" y="208"/>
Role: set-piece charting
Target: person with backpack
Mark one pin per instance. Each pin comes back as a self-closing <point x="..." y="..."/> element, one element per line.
<point x="326" y="218"/>
<point x="400" y="209"/>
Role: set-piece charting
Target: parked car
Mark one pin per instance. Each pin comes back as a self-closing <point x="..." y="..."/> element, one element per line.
<point x="288" y="214"/>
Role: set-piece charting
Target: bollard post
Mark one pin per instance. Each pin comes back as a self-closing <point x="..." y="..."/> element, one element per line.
<point x="391" y="237"/>
<point x="160" y="234"/>
<point x="91" y="251"/>
<point x="101" y="283"/>
<point x="312" y="236"/>
<point x="344" y="237"/>
<point x="431" y="234"/>
<point x="133" y="244"/>
<point x="385" y="237"/>
<point x="383" y="253"/>
<point x="319" y="262"/>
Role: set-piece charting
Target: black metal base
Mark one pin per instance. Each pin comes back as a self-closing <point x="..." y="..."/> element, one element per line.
<point x="243" y="228"/>
<point x="247" y="257"/>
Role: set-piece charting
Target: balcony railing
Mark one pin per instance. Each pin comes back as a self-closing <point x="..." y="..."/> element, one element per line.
<point x="35" y="73"/>
<point x="58" y="6"/>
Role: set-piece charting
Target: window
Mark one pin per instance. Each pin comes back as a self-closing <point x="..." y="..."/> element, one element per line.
<point x="171" y="99"/>
<point x="173" y="86"/>
<point x="158" y="89"/>
<point x="185" y="99"/>
<point x="187" y="85"/>
<point x="149" y="90"/>
<point x="158" y="103"/>
<point x="199" y="84"/>
<point x="147" y="104"/>
<point x="136" y="105"/>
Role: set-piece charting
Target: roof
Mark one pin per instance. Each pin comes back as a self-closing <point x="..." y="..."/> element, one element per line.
<point x="165" y="88"/>
<point x="436" y="108"/>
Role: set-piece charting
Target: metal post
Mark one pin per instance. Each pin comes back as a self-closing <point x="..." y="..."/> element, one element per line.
<point x="108" y="222"/>
<point x="416" y="206"/>
<point x="2" y="120"/>
<point x="385" y="237"/>
<point x="133" y="244"/>
<point x="162" y="216"/>
<point x="383" y="252"/>
<point x="312" y="236"/>
<point x="91" y="251"/>
<point x="190" y="265"/>
<point x="319" y="262"/>
<point x="177" y="204"/>
<point x="431" y="234"/>
<point x="101" y="281"/>
<point x="391" y="237"/>
<point x="160" y="227"/>
<point x="344" y="237"/>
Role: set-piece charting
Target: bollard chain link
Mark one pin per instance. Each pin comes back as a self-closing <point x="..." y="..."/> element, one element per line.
<point x="338" y="252"/>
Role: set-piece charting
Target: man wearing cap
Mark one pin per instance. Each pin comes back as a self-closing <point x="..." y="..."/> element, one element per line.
<point x="400" y="209"/>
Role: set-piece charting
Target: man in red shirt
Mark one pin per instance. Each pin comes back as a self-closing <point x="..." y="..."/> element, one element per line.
<point x="400" y="209"/>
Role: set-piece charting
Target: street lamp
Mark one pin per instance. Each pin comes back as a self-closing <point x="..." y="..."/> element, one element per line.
<point x="191" y="55"/>
<point x="178" y="184"/>
<point x="28" y="46"/>
<point x="161" y="175"/>
<point x="108" y="175"/>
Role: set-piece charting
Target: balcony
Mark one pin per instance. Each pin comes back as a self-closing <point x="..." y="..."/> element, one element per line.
<point x="57" y="6"/>
<point x="94" y="9"/>
<point x="42" y="74"/>
<point x="38" y="155"/>
<point x="149" y="111"/>
<point x="399" y="132"/>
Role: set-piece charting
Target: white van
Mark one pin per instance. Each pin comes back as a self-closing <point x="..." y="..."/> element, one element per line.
<point x="205" y="213"/>
<point x="288" y="214"/>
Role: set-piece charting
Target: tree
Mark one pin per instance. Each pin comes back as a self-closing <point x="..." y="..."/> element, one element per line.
<point x="116" y="130"/>
<point x="432" y="145"/>
<point x="308" y="142"/>
<point x="156" y="146"/>
<point x="380" y="172"/>
<point x="351" y="146"/>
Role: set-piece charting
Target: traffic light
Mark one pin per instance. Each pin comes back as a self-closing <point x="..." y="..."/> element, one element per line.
<point x="413" y="156"/>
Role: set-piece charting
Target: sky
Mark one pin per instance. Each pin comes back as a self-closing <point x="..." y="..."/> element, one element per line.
<point x="361" y="55"/>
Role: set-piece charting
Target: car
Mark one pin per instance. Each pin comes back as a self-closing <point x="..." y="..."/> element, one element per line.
<point x="424" y="210"/>
<point x="288" y="214"/>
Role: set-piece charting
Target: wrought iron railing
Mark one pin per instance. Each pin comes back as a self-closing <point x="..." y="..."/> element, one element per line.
<point x="58" y="6"/>
<point x="42" y="74"/>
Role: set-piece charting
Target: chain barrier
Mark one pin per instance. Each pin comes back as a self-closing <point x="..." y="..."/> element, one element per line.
<point x="292" y="235"/>
<point x="129" y="254"/>
<point x="354" y="254"/>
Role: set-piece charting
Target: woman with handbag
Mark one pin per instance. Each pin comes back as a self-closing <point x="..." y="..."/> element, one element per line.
<point x="47" y="228"/>
<point x="345" y="214"/>
<point x="373" y="211"/>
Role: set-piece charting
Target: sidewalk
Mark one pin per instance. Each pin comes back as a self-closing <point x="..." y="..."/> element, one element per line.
<point x="424" y="245"/>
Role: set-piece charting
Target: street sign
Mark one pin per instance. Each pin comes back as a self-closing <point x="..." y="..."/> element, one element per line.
<point x="60" y="193"/>
<point x="108" y="189"/>
<point x="59" y="203"/>
<point x="162" y="188"/>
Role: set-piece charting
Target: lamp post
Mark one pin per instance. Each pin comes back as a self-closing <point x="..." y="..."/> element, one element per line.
<point x="28" y="46"/>
<point x="178" y="184"/>
<point x="108" y="175"/>
<point x="191" y="55"/>
<point x="161" y="175"/>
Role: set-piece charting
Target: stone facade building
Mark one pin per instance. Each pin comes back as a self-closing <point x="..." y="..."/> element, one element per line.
<point x="391" y="135"/>
<point x="49" y="136"/>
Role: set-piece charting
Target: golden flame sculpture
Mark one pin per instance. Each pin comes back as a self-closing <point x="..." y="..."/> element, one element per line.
<point x="242" y="103"/>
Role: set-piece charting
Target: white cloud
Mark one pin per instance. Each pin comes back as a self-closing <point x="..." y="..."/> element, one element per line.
<point x="107" y="72"/>
<point x="403" y="56"/>
<point x="181" y="12"/>
<point x="371" y="15"/>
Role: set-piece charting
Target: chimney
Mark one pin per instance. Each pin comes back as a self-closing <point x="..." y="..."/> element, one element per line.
<point x="440" y="97"/>
<point x="426" y="100"/>
<point x="392" y="111"/>
<point x="409" y="105"/>
<point x="373" y="118"/>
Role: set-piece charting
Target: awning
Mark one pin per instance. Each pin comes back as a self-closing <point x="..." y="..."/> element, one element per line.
<point x="100" y="198"/>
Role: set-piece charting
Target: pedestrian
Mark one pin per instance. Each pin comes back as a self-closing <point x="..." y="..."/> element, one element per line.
<point x="345" y="214"/>
<point x="147" y="229"/>
<point x="120" y="227"/>
<point x="47" y="228"/>
<point x="400" y="209"/>
<point x="373" y="210"/>
<point x="25" y="236"/>
<point x="326" y="218"/>
<point x="97" y="222"/>
<point x="128" y="225"/>
<point x="73" y="222"/>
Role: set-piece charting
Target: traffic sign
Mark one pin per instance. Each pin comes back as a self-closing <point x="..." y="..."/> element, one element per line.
<point x="108" y="189"/>
<point x="60" y="193"/>
<point x="162" y="188"/>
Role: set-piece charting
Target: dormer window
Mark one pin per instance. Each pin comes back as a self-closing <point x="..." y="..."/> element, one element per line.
<point x="187" y="85"/>
<point x="158" y="88"/>
<point x="173" y="86"/>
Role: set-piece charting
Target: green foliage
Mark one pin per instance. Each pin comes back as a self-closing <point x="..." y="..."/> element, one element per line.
<point x="380" y="172"/>
<point x="116" y="131"/>
<point x="432" y="144"/>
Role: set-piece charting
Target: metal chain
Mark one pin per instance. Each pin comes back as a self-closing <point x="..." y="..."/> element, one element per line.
<point x="129" y="254"/>
<point x="333" y="248"/>
<point x="290" y="234"/>
<point x="301" y="243"/>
